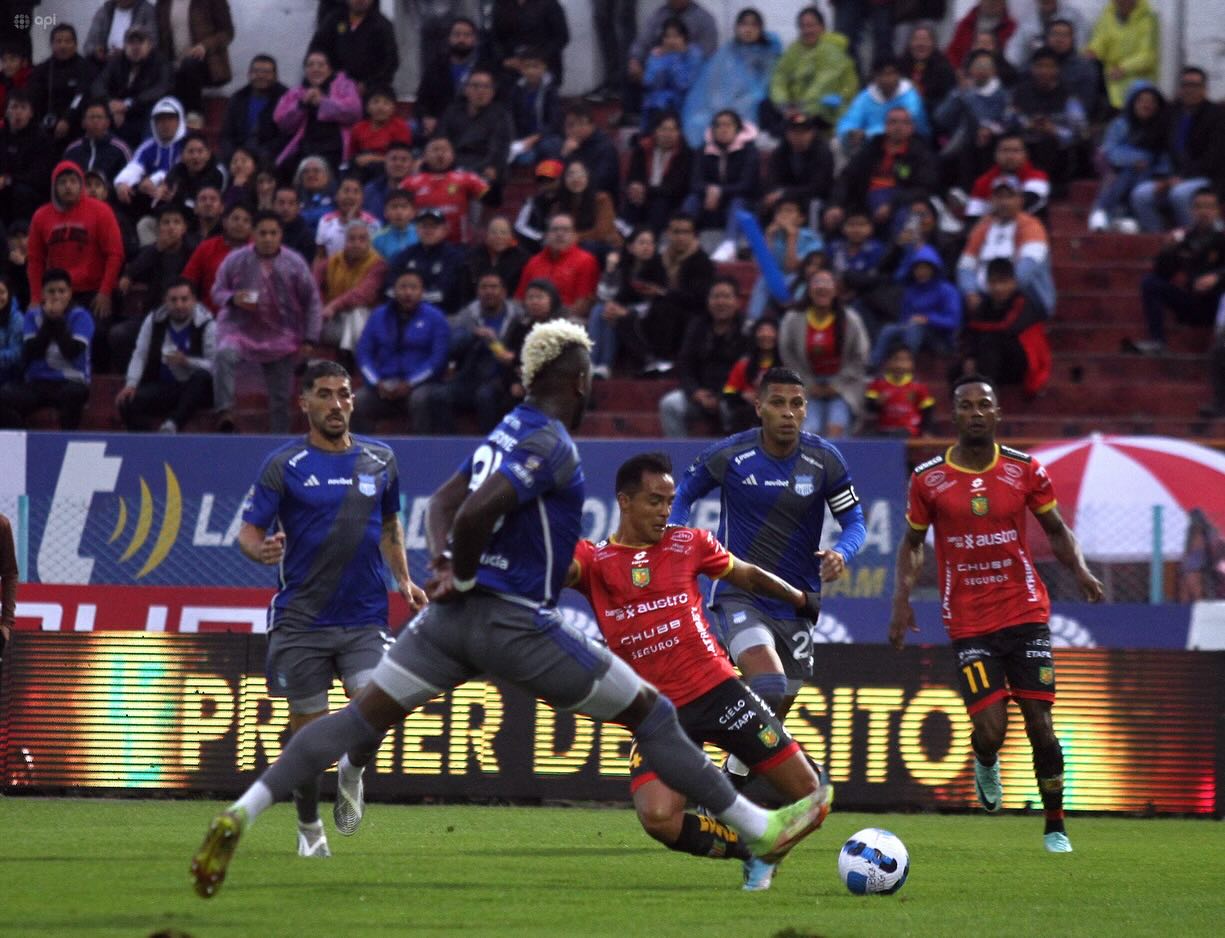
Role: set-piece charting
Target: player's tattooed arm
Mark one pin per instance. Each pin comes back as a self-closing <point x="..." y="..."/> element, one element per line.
<point x="392" y="546"/>
<point x="256" y="544"/>
<point x="906" y="574"/>
<point x="754" y="579"/>
<point x="1066" y="549"/>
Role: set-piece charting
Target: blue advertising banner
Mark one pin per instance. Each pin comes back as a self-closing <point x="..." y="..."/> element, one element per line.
<point x="165" y="511"/>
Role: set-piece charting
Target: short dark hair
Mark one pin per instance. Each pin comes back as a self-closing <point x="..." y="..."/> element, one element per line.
<point x="667" y="114"/>
<point x="398" y="145"/>
<point x="19" y="96"/>
<point x="1060" y="21"/>
<point x="724" y="280"/>
<point x="1194" y="70"/>
<point x="1000" y="267"/>
<point x="780" y="375"/>
<point x="261" y="217"/>
<point x="263" y="57"/>
<point x="579" y="109"/>
<point x="381" y="91"/>
<point x="677" y="24"/>
<point x="398" y="195"/>
<point x="190" y="137"/>
<point x="180" y="282"/>
<point x="171" y="208"/>
<point x="1204" y="190"/>
<point x="1044" y="53"/>
<point x="686" y="218"/>
<point x="57" y="275"/>
<point x="630" y="473"/>
<point x="884" y="60"/>
<point x="810" y="11"/>
<point x="241" y="206"/>
<point x="974" y="378"/>
<point x="411" y="271"/>
<point x="64" y="28"/>
<point x="97" y="103"/>
<point x="323" y="368"/>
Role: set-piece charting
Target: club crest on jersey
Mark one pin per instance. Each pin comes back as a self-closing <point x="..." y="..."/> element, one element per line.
<point x="365" y="484"/>
<point x="768" y="737"/>
<point x="803" y="486"/>
<point x="979" y="505"/>
<point x="640" y="576"/>
<point x="1046" y="674"/>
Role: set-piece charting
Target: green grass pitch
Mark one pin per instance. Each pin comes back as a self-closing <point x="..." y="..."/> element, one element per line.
<point x="95" y="867"/>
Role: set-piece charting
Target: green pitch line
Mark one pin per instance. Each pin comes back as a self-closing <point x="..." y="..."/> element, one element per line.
<point x="101" y="868"/>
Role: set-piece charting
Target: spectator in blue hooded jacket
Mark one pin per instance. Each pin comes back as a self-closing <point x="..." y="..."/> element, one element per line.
<point x="736" y="78"/>
<point x="931" y="309"/>
<point x="1135" y="148"/>
<point x="671" y="70"/>
<point x="402" y="351"/>
<point x="865" y="118"/>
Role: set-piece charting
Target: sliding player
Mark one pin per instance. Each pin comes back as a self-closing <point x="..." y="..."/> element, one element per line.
<point x="643" y="585"/>
<point x="512" y="516"/>
<point x="995" y="605"/>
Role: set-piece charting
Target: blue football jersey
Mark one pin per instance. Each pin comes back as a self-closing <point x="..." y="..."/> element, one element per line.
<point x="772" y="510"/>
<point x="531" y="548"/>
<point x="331" y="507"/>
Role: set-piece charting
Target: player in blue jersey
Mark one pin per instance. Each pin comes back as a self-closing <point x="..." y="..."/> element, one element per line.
<point x="511" y="516"/>
<point x="335" y="500"/>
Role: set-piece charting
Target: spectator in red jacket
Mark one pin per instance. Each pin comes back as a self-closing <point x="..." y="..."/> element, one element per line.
<point x="567" y="266"/>
<point x="206" y="260"/>
<point x="78" y="234"/>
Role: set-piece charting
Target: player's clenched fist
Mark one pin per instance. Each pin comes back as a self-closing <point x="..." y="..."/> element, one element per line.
<point x="273" y="548"/>
<point x="414" y="595"/>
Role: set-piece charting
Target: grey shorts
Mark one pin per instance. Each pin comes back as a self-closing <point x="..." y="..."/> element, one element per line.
<point x="303" y="662"/>
<point x="742" y="625"/>
<point x="480" y="633"/>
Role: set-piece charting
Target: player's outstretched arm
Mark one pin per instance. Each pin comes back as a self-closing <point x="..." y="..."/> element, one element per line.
<point x="391" y="543"/>
<point x="905" y="575"/>
<point x="256" y="544"/>
<point x="1066" y="549"/>
<point x="754" y="579"/>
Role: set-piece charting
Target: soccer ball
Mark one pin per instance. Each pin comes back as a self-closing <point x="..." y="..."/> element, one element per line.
<point x="873" y="861"/>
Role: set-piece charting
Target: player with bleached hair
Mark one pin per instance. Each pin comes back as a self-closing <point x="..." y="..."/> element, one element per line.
<point x="502" y="531"/>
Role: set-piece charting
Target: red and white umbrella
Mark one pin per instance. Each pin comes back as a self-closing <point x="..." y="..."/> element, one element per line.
<point x="1107" y="487"/>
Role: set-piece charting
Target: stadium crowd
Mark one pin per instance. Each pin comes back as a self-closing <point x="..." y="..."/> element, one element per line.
<point x="892" y="194"/>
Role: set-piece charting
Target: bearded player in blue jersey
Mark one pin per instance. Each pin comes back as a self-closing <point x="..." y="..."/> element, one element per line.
<point x="502" y="531"/>
<point x="774" y="483"/>
<point x="335" y="498"/>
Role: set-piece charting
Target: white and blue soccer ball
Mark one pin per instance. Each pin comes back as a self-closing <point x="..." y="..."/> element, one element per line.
<point x="873" y="862"/>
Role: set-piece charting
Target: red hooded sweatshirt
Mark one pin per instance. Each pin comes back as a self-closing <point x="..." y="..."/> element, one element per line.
<point x="83" y="240"/>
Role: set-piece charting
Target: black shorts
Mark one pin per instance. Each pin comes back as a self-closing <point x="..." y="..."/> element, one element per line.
<point x="1015" y="661"/>
<point x="736" y="720"/>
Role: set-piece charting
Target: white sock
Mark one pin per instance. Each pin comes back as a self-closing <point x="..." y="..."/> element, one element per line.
<point x="254" y="801"/>
<point x="745" y="818"/>
<point x="311" y="827"/>
<point x="348" y="773"/>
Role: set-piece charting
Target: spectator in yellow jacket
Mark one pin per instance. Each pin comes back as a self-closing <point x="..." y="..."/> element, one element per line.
<point x="1127" y="41"/>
